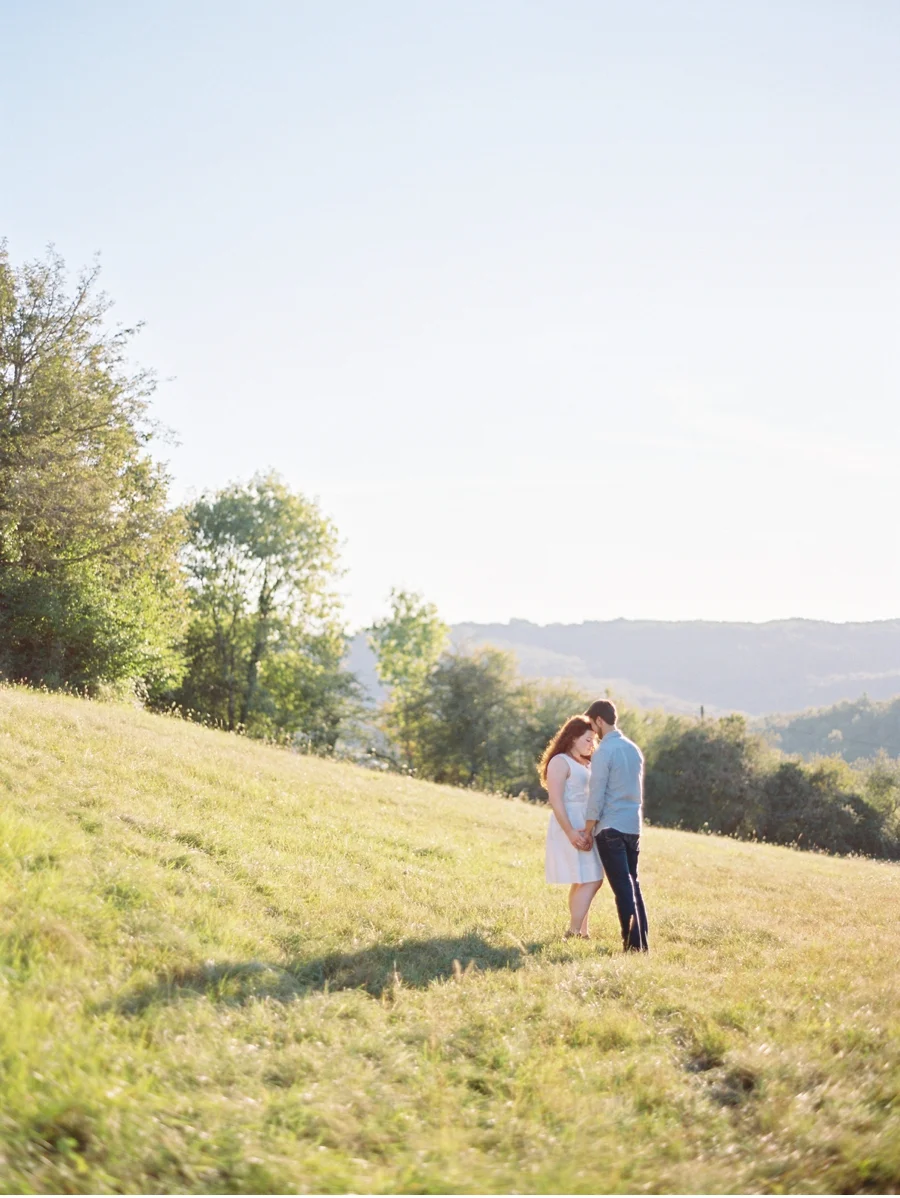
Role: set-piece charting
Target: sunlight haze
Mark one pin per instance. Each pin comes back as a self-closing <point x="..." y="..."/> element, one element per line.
<point x="563" y="311"/>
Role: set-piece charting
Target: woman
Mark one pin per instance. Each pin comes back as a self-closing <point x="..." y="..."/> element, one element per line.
<point x="565" y="770"/>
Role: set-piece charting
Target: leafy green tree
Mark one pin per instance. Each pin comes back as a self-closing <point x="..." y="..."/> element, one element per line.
<point x="818" y="806"/>
<point x="718" y="776"/>
<point x="266" y="642"/>
<point x="881" y="787"/>
<point x="407" y="645"/>
<point x="90" y="586"/>
<point x="705" y="775"/>
<point x="856" y="730"/>
<point x="543" y="709"/>
<point x="467" y="719"/>
<point x="305" y="693"/>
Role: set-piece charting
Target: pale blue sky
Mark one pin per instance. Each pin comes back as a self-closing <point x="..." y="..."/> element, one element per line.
<point x="471" y="273"/>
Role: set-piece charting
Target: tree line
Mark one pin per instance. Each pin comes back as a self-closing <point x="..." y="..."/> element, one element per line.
<point x="468" y="719"/>
<point x="226" y="610"/>
<point x="853" y="729"/>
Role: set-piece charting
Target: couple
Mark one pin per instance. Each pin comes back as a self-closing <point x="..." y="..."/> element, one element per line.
<point x="596" y="790"/>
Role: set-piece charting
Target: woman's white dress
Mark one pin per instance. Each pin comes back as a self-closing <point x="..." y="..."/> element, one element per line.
<point x="565" y="863"/>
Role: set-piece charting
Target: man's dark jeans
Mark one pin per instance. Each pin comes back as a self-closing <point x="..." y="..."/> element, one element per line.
<point x="619" y="855"/>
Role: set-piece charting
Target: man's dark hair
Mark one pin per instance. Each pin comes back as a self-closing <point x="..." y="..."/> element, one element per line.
<point x="602" y="709"/>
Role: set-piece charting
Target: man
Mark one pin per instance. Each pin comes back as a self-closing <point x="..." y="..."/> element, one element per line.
<point x="615" y="804"/>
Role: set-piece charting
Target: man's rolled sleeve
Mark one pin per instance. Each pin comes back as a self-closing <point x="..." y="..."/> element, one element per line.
<point x="597" y="791"/>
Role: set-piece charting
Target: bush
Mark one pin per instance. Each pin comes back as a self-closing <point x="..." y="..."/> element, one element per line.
<point x="705" y="775"/>
<point x="719" y="777"/>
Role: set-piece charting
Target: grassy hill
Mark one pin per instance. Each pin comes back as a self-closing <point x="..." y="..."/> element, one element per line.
<point x="225" y="968"/>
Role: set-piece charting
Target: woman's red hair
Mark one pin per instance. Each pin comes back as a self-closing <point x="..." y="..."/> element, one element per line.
<point x="562" y="742"/>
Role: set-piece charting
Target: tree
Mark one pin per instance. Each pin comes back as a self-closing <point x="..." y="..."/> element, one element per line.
<point x="817" y="806"/>
<point x="544" y="708"/>
<point x="706" y="774"/>
<point x="719" y="776"/>
<point x="265" y="644"/>
<point x="305" y="693"/>
<point x="853" y="729"/>
<point x="407" y="645"/>
<point x="90" y="587"/>
<point x="881" y="781"/>
<point x="466" y="721"/>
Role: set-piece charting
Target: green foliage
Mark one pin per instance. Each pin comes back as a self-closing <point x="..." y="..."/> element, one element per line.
<point x="543" y="708"/>
<point x="408" y="642"/>
<point x="265" y="642"/>
<point x="304" y="693"/>
<point x="854" y="730"/>
<point x="703" y="774"/>
<point x="90" y="589"/>
<point x="407" y="645"/>
<point x="463" y="717"/>
<point x="466" y="718"/>
<point x="469" y="719"/>
<point x="881" y="785"/>
<point x="718" y="776"/>
<point x="821" y="806"/>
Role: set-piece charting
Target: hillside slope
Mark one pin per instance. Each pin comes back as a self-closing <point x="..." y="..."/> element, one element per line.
<point x="225" y="968"/>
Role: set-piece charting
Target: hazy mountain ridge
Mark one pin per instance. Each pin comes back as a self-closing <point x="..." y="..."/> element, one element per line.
<point x="780" y="666"/>
<point x="783" y="665"/>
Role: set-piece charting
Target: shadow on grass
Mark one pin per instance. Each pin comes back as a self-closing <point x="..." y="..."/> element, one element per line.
<point x="378" y="970"/>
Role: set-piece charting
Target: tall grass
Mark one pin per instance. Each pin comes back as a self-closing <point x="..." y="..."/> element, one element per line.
<point x="225" y="968"/>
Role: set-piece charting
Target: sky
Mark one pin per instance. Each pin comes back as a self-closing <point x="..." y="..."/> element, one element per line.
<point x="562" y="311"/>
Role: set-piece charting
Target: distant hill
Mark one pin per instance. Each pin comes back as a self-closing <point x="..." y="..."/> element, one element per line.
<point x="784" y="665"/>
<point x="781" y="666"/>
<point x="855" y="730"/>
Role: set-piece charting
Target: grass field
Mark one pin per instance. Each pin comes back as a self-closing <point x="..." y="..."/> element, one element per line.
<point x="225" y="968"/>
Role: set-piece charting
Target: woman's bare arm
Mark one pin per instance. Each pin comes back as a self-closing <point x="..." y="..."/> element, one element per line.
<point x="557" y="772"/>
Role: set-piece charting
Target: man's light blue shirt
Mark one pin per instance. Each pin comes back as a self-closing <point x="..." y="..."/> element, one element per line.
<point x="616" y="795"/>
